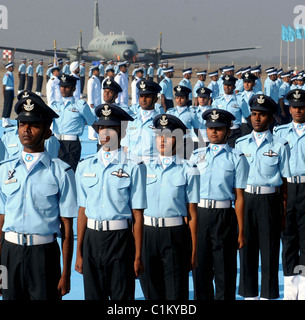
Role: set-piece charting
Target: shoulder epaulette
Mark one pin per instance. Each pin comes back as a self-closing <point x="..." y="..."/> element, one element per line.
<point x="69" y="168"/>
<point x="86" y="158"/>
<point x="280" y="140"/>
<point x="7" y="160"/>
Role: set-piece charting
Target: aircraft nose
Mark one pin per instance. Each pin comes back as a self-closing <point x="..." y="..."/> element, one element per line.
<point x="128" y="54"/>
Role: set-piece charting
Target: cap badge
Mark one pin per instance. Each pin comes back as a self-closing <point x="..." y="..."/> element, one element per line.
<point x="261" y="100"/>
<point x="178" y="88"/>
<point x="63" y="78"/>
<point x="28" y="106"/>
<point x="25" y="95"/>
<point x="202" y="90"/>
<point x="163" y="121"/>
<point x="247" y="75"/>
<point x="297" y="95"/>
<point x="142" y="85"/>
<point x="214" y="115"/>
<point x="227" y="78"/>
<point x="108" y="82"/>
<point x="106" y="111"/>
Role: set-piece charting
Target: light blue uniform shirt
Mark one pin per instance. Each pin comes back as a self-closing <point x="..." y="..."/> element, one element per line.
<point x="159" y="72"/>
<point x="49" y="73"/>
<point x="39" y="70"/>
<point x="22" y="68"/>
<point x="187" y="83"/>
<point x="30" y="70"/>
<point x="200" y="123"/>
<point x="72" y="116"/>
<point x="297" y="147"/>
<point x="167" y="88"/>
<point x="284" y="89"/>
<point x="258" y="85"/>
<point x="220" y="86"/>
<point x="220" y="174"/>
<point x="199" y="84"/>
<point x="245" y="96"/>
<point x="2" y="151"/>
<point x="150" y="71"/>
<point x="269" y="162"/>
<point x="234" y="105"/>
<point x="107" y="196"/>
<point x="272" y="90"/>
<point x="102" y="70"/>
<point x="170" y="189"/>
<point x="213" y="85"/>
<point x="66" y="69"/>
<point x="34" y="201"/>
<point x="82" y="71"/>
<point x="136" y="109"/>
<point x="13" y="145"/>
<point x="140" y="138"/>
<point x="8" y="80"/>
<point x="239" y="85"/>
<point x="186" y="114"/>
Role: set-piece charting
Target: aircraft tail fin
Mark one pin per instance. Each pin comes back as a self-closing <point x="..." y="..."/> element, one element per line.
<point x="96" y="21"/>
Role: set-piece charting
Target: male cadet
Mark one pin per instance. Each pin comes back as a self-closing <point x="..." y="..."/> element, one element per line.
<point x="74" y="68"/>
<point x="134" y="89"/>
<point x="201" y="75"/>
<point x="82" y="76"/>
<point x="109" y="74"/>
<point x="159" y="72"/>
<point x="39" y="77"/>
<point x="249" y="85"/>
<point x="102" y="69"/>
<point x="293" y="235"/>
<point x="60" y="64"/>
<point x="223" y="178"/>
<point x="29" y="73"/>
<point x="49" y="73"/>
<point x="227" y="70"/>
<point x="135" y="67"/>
<point x="73" y="116"/>
<point x="150" y="72"/>
<point x="122" y="79"/>
<point x="170" y="220"/>
<point x="186" y="82"/>
<point x="258" y="73"/>
<point x="8" y="94"/>
<point x="284" y="103"/>
<point x="229" y="101"/>
<point x="167" y="89"/>
<point x="11" y="141"/>
<point x="139" y="140"/>
<point x="53" y="92"/>
<point x="66" y="68"/>
<point x="21" y="75"/>
<point x="93" y="96"/>
<point x="144" y="70"/>
<point x="300" y="80"/>
<point x="111" y="193"/>
<point x="37" y="204"/>
<point x="265" y="201"/>
<point x="239" y="82"/>
<point x="213" y="85"/>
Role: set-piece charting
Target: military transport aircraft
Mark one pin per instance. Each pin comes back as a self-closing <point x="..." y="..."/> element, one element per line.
<point x="118" y="47"/>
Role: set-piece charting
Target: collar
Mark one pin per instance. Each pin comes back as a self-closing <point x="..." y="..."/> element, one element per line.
<point x="120" y="157"/>
<point x="226" y="148"/>
<point x="157" y="161"/>
<point x="45" y="159"/>
<point x="268" y="136"/>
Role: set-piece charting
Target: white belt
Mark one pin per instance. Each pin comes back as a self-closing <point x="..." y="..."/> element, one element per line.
<point x="260" y="190"/>
<point x="163" y="222"/>
<point x="214" y="204"/>
<point x="28" y="239"/>
<point x="107" y="225"/>
<point x="9" y="88"/>
<point x="68" y="137"/>
<point x="296" y="179"/>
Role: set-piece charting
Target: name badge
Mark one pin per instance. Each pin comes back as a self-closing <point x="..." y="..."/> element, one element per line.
<point x="151" y="176"/>
<point x="247" y="155"/>
<point x="13" y="145"/>
<point x="133" y="128"/>
<point x="10" y="181"/>
<point x="89" y="175"/>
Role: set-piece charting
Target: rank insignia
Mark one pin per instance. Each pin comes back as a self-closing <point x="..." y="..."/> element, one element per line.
<point x="106" y="111"/>
<point x="120" y="174"/>
<point x="270" y="153"/>
<point x="28" y="106"/>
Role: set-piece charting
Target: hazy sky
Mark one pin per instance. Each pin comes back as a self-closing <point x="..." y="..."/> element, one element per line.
<point x="187" y="25"/>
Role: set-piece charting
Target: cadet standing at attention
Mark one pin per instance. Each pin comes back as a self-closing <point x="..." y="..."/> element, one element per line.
<point x="213" y="85"/>
<point x="283" y="102"/>
<point x="8" y="94"/>
<point x="186" y="82"/>
<point x="53" y="92"/>
<point x="21" y="75"/>
<point x="82" y="76"/>
<point x="167" y="89"/>
<point x="199" y="84"/>
<point x="29" y="75"/>
<point x="66" y="68"/>
<point x="223" y="178"/>
<point x="37" y="204"/>
<point x="39" y="77"/>
<point x="293" y="255"/>
<point x="150" y="72"/>
<point x="170" y="220"/>
<point x="122" y="79"/>
<point x="111" y="192"/>
<point x="73" y="116"/>
<point x="265" y="201"/>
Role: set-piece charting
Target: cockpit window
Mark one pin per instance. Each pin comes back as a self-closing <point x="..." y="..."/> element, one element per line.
<point x="130" y="42"/>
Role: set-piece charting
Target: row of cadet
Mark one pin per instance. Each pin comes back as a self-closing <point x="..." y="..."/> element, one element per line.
<point x="160" y="218"/>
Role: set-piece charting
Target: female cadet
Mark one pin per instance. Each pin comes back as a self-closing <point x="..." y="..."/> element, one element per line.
<point x="170" y="223"/>
<point x="223" y="173"/>
<point x="111" y="193"/>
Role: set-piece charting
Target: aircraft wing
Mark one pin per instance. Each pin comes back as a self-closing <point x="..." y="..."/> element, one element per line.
<point x="208" y="52"/>
<point x="50" y="53"/>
